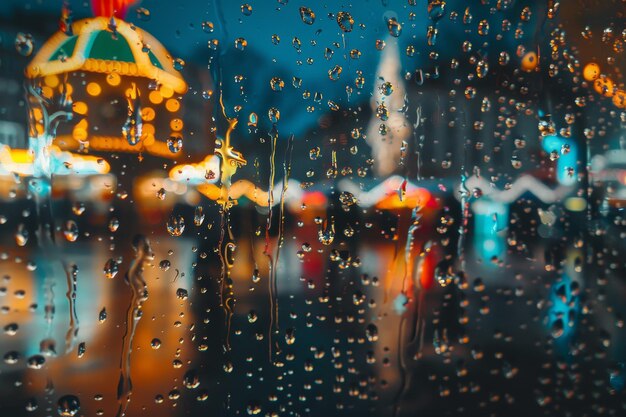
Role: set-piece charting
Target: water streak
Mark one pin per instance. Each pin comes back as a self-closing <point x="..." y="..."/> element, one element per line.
<point x="139" y="295"/>
<point x="267" y="251"/>
<point x="71" y="272"/>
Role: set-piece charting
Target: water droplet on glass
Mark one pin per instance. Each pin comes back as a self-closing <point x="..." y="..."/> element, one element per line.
<point x="277" y="84"/>
<point x="176" y="225"/>
<point x="71" y="231"/>
<point x="165" y="265"/>
<point x="114" y="224"/>
<point x="307" y="15"/>
<point x="110" y="268"/>
<point x="335" y="72"/>
<point x="345" y="21"/>
<point x="246" y="9"/>
<point x="207" y="27"/>
<point x="175" y="143"/>
<point x="371" y="332"/>
<point x="191" y="380"/>
<point x="394" y="27"/>
<point x="68" y="406"/>
<point x="102" y="316"/>
<point x="24" y="44"/>
<point x="21" y="236"/>
<point x="241" y="43"/>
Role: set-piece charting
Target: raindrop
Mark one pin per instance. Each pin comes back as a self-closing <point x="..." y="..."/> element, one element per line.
<point x="182" y="294"/>
<point x="394" y="27"/>
<point x="191" y="380"/>
<point x="176" y="225"/>
<point x="71" y="231"/>
<point x="371" y="332"/>
<point x="110" y="268"/>
<point x="307" y="15"/>
<point x="102" y="316"/>
<point x="207" y="27"/>
<point x="277" y="84"/>
<point x="241" y="44"/>
<point x="68" y="406"/>
<point x="155" y="343"/>
<point x="345" y="21"/>
<point x="21" y="236"/>
<point x="246" y="9"/>
<point x="335" y="72"/>
<point x="24" y="44"/>
<point x="175" y="143"/>
<point x="35" y="362"/>
<point x="114" y="224"/>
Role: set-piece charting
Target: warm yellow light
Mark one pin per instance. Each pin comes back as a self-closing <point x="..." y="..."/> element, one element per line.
<point x="166" y="91"/>
<point x="94" y="89"/>
<point x="51" y="81"/>
<point x="47" y="92"/>
<point x="530" y="61"/>
<point x="619" y="99"/>
<point x="79" y="134"/>
<point x="80" y="107"/>
<point x="21" y="156"/>
<point x="37" y="113"/>
<point x="575" y="204"/>
<point x="591" y="71"/>
<point x="176" y="125"/>
<point x="149" y="140"/>
<point x="80" y="130"/>
<point x="604" y="85"/>
<point x="172" y="105"/>
<point x="148" y="129"/>
<point x="67" y="89"/>
<point x="39" y="128"/>
<point x="155" y="97"/>
<point x="83" y="124"/>
<point x="114" y="79"/>
<point x="147" y="114"/>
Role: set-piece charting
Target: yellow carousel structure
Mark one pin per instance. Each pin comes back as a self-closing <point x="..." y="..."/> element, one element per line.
<point x="117" y="84"/>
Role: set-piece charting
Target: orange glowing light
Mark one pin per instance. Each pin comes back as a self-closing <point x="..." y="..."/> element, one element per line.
<point x="148" y="129"/>
<point x="315" y="199"/>
<point x="172" y="105"/>
<point x="412" y="199"/>
<point x="591" y="71"/>
<point x="166" y="91"/>
<point x="80" y="107"/>
<point x="155" y="97"/>
<point x="604" y="85"/>
<point x="530" y="61"/>
<point x="147" y="114"/>
<point x="619" y="99"/>
<point x="51" y="81"/>
<point x="114" y="79"/>
<point x="176" y="125"/>
<point x="94" y="89"/>
<point x="47" y="92"/>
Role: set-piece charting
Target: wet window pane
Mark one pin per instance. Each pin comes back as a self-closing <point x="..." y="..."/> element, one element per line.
<point x="281" y="208"/>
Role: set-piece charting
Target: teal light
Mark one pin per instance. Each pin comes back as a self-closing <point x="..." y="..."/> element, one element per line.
<point x="566" y="161"/>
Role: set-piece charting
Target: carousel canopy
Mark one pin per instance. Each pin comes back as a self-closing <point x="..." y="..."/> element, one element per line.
<point x="107" y="45"/>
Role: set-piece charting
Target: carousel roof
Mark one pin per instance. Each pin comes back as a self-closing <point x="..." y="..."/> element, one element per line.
<point x="107" y="45"/>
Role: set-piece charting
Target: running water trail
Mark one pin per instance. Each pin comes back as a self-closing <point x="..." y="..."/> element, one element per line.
<point x="281" y="230"/>
<point x="139" y="295"/>
<point x="409" y="272"/>
<point x="465" y="206"/>
<point x="267" y="251"/>
<point x="230" y="160"/>
<point x="72" y="332"/>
